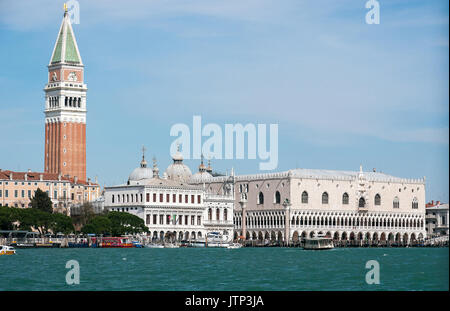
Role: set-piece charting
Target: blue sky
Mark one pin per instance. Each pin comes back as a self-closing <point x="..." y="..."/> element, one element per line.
<point x="342" y="92"/>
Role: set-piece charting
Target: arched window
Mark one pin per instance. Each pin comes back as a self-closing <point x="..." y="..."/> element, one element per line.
<point x="415" y="203"/>
<point x="377" y="199"/>
<point x="362" y="202"/>
<point x="345" y="198"/>
<point x="277" y="197"/>
<point x="113" y="198"/>
<point x="217" y="214"/>
<point x="261" y="198"/>
<point x="225" y="214"/>
<point x="209" y="214"/>
<point x="305" y="197"/>
<point x="324" y="198"/>
<point x="396" y="202"/>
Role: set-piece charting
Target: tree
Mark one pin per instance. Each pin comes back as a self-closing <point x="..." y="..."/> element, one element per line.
<point x="6" y="218"/>
<point x="41" y="201"/>
<point x="126" y="223"/>
<point x="61" y="223"/>
<point x="98" y="225"/>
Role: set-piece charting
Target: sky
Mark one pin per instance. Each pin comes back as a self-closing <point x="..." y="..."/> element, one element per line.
<point x="344" y="93"/>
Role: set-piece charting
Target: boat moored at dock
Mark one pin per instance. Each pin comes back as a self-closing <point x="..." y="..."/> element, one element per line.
<point x="7" y="250"/>
<point x="319" y="242"/>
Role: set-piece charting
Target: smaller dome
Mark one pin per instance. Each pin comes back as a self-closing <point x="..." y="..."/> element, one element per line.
<point x="140" y="173"/>
<point x="200" y="177"/>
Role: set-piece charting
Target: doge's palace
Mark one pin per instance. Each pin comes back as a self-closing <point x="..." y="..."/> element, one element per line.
<point x="362" y="207"/>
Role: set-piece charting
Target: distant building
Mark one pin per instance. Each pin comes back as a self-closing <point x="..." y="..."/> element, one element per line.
<point x="17" y="189"/>
<point x="436" y="219"/>
<point x="175" y="206"/>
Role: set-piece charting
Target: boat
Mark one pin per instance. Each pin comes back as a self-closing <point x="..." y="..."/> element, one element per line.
<point x="319" y="242"/>
<point x="171" y="245"/>
<point x="216" y="239"/>
<point x="234" y="245"/>
<point x="112" y="242"/>
<point x="137" y="244"/>
<point x="7" y="250"/>
<point x="153" y="245"/>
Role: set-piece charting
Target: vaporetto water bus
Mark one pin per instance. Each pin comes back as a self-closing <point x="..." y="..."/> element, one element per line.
<point x="319" y="242"/>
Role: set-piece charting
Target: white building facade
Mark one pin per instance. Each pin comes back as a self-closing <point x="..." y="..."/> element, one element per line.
<point x="366" y="207"/>
<point x="171" y="207"/>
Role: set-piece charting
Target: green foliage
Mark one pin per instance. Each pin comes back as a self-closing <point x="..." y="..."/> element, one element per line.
<point x="12" y="218"/>
<point x="115" y="223"/>
<point x="61" y="223"/>
<point x="41" y="201"/>
<point x="126" y="223"/>
<point x="6" y="219"/>
<point x="98" y="225"/>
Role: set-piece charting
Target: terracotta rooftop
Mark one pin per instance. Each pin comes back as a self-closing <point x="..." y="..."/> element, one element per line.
<point x="35" y="176"/>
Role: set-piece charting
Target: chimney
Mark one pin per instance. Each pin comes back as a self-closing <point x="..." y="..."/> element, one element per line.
<point x="89" y="181"/>
<point x="75" y="179"/>
<point x="11" y="176"/>
<point x="41" y="177"/>
<point x="59" y="176"/>
<point x="432" y="202"/>
<point x="29" y="171"/>
<point x="26" y="176"/>
<point x="438" y="202"/>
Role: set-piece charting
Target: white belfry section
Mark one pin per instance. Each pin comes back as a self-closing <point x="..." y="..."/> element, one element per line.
<point x="65" y="92"/>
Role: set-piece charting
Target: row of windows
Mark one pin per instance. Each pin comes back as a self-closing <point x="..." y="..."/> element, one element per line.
<point x="53" y="102"/>
<point x="345" y="200"/>
<point x="172" y="220"/>
<point x="29" y="183"/>
<point x="210" y="213"/>
<point x="127" y="198"/>
<point x="30" y="192"/>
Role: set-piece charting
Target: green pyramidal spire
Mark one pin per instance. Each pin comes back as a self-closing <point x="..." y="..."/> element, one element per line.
<point x="66" y="49"/>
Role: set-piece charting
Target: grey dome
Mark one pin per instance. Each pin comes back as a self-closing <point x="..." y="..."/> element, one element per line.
<point x="178" y="171"/>
<point x="140" y="173"/>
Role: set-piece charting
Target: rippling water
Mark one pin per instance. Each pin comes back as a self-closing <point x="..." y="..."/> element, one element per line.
<point x="226" y="269"/>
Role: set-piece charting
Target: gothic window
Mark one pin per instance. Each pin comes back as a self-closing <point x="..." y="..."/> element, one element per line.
<point x="396" y="203"/>
<point x="324" y="198"/>
<point x="217" y="214"/>
<point x="362" y="202"/>
<point x="65" y="101"/>
<point x="277" y="197"/>
<point x="305" y="197"/>
<point x="345" y="198"/>
<point x="261" y="198"/>
<point x="377" y="199"/>
<point x="209" y="214"/>
<point x="225" y="214"/>
<point x="415" y="203"/>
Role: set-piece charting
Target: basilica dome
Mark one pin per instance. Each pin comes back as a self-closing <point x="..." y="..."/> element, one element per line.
<point x="141" y="172"/>
<point x="202" y="174"/>
<point x="177" y="170"/>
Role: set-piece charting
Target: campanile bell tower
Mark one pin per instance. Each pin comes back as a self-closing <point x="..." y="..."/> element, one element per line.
<point x="65" y="107"/>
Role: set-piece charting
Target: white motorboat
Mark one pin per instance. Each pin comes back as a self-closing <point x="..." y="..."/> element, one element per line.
<point x="171" y="245"/>
<point x="234" y="245"/>
<point x="216" y="239"/>
<point x="152" y="245"/>
<point x="319" y="242"/>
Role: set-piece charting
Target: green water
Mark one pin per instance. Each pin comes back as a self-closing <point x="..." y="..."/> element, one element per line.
<point x="226" y="269"/>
